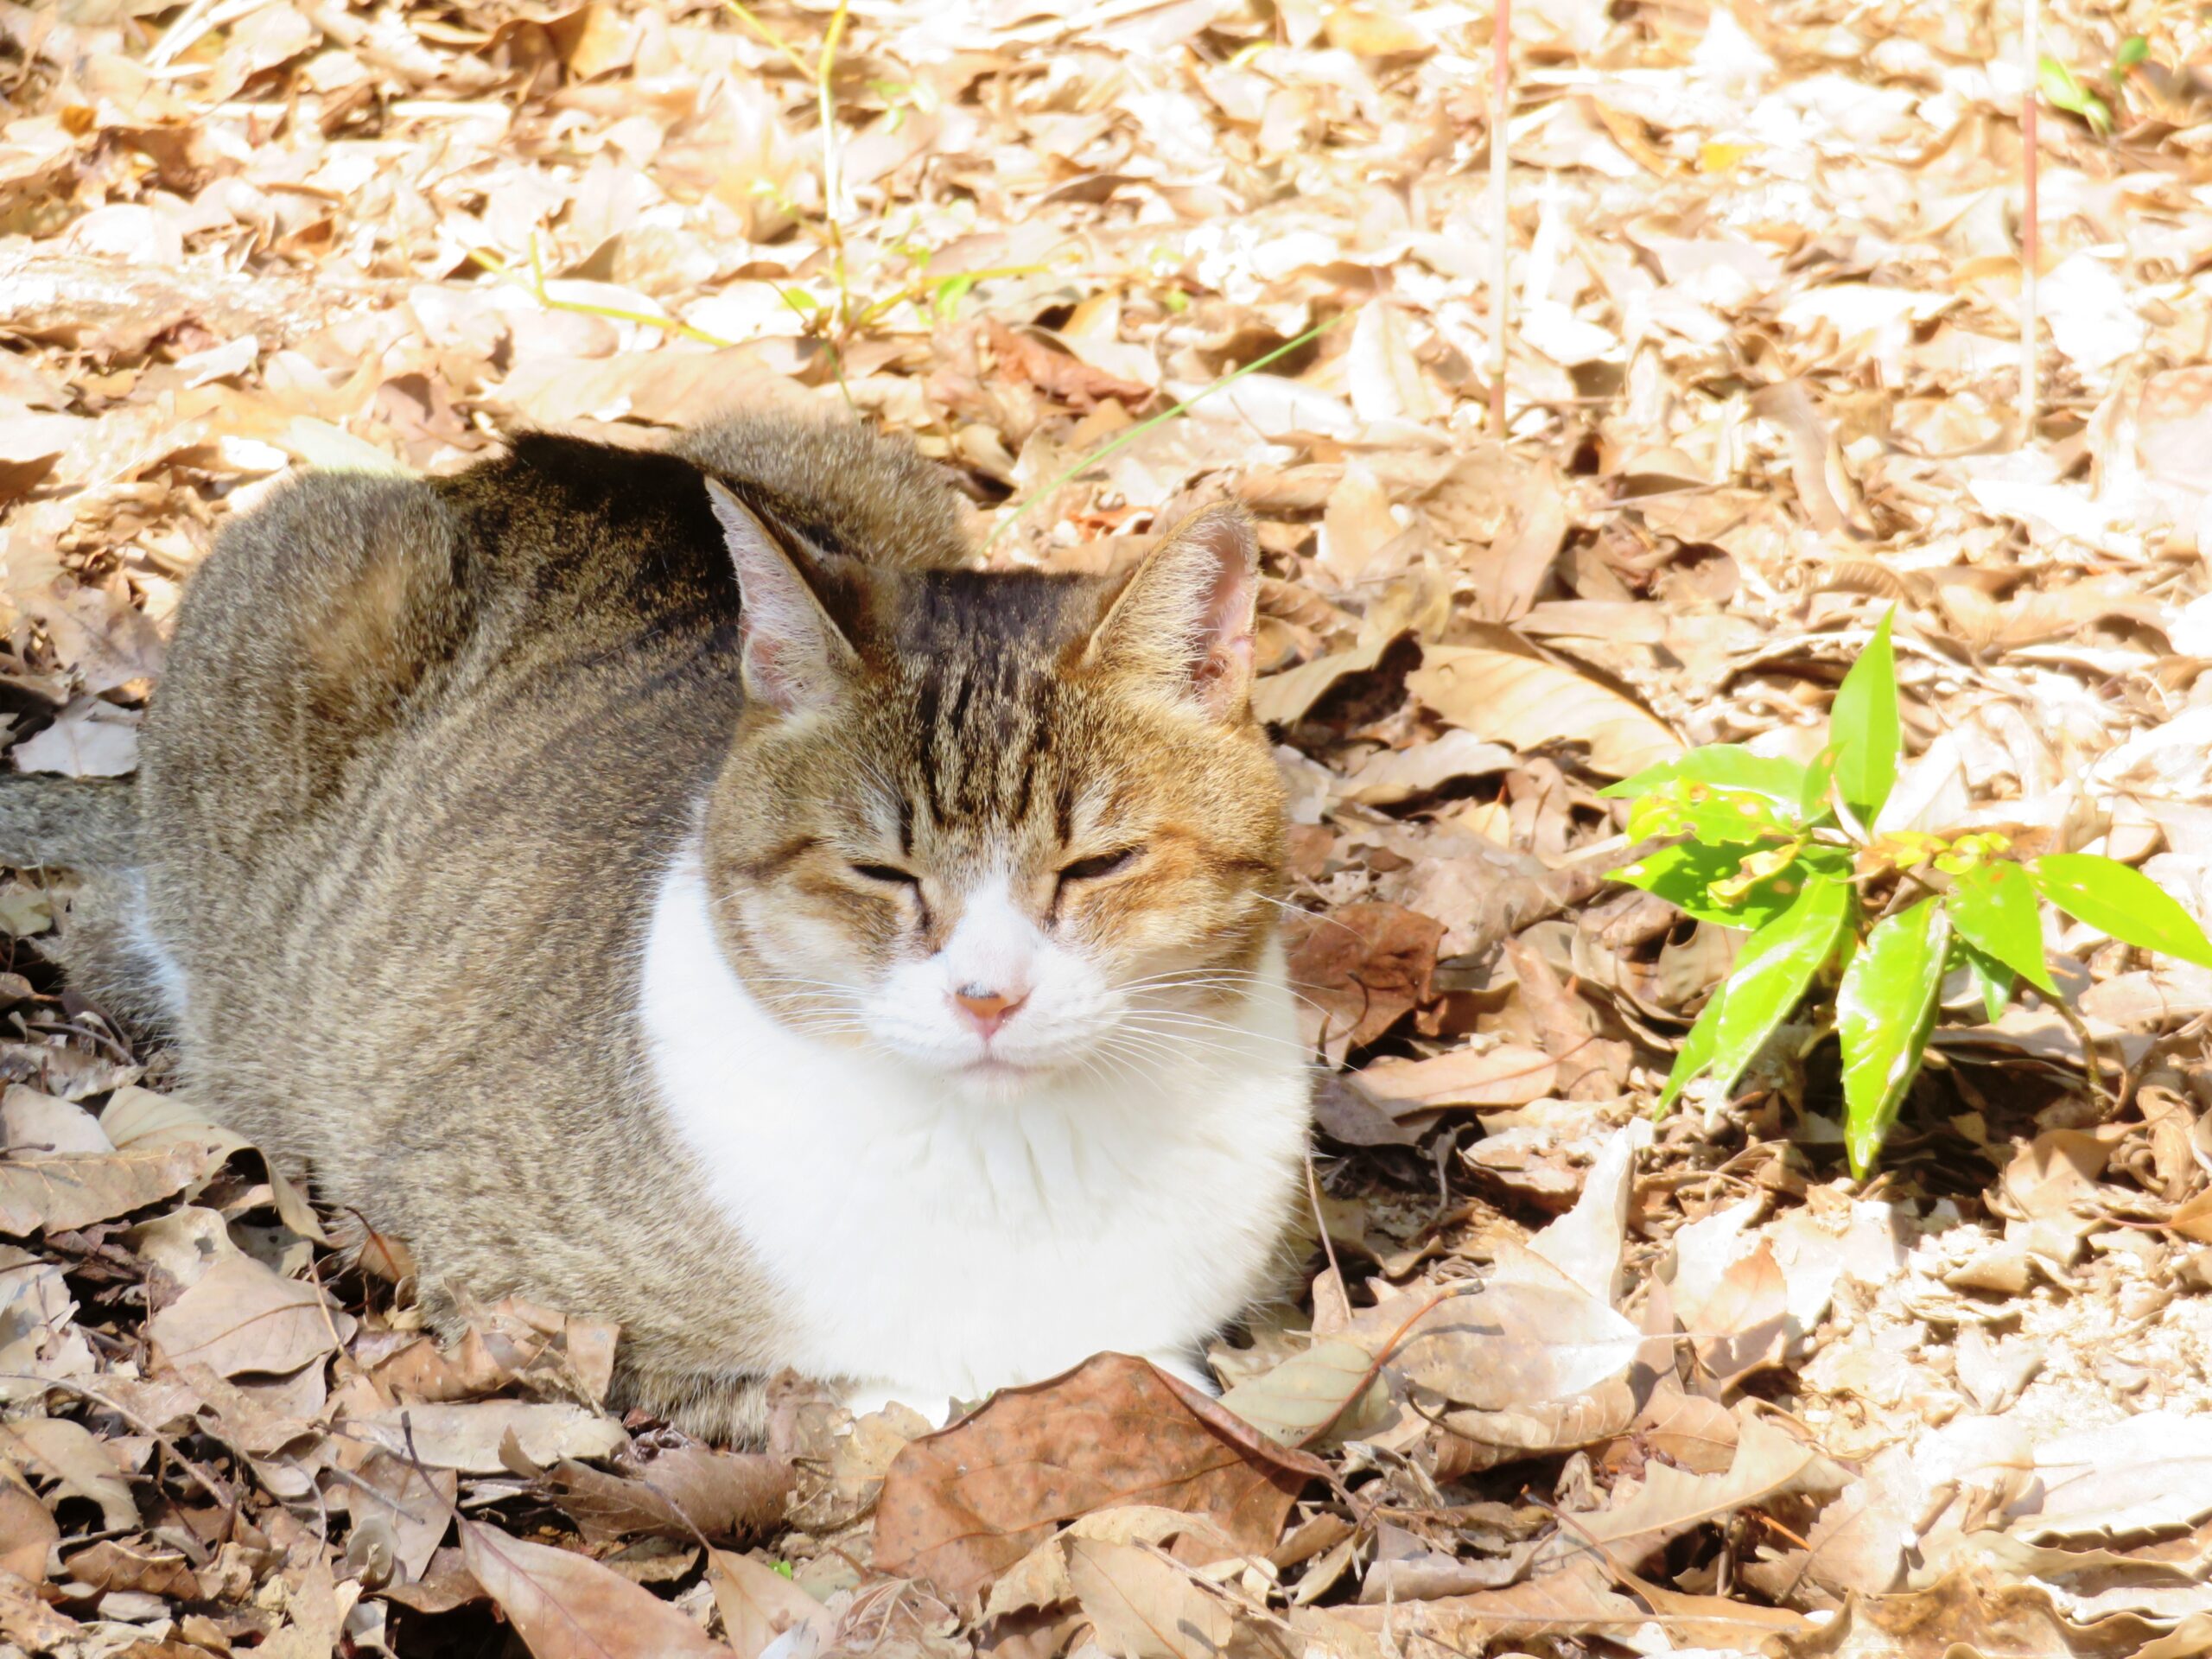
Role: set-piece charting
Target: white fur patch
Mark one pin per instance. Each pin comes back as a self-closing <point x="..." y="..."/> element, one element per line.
<point x="162" y="969"/>
<point x="931" y="1239"/>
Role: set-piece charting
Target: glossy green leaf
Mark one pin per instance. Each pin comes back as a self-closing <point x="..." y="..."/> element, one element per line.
<point x="1721" y="765"/>
<point x="1992" y="979"/>
<point x="1684" y="875"/>
<point x="1819" y="778"/>
<point x="1995" y="910"/>
<point x="2116" y="898"/>
<point x="1865" y="727"/>
<point x="1736" y="819"/>
<point x="1730" y="816"/>
<point x="1884" y="1011"/>
<point x="1771" y="979"/>
<point x="2132" y="50"/>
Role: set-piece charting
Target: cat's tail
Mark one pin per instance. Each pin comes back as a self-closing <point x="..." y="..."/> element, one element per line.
<point x="79" y="824"/>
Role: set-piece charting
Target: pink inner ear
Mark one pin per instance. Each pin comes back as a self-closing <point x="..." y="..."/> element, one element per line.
<point x="1224" y="634"/>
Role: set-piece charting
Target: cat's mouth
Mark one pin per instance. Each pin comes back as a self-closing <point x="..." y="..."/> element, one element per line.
<point x="990" y="1068"/>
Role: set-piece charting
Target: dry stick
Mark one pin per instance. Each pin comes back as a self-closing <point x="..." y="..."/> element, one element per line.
<point x="2030" y="239"/>
<point x="1321" y="1222"/>
<point x="1500" y="222"/>
<point x="1165" y="415"/>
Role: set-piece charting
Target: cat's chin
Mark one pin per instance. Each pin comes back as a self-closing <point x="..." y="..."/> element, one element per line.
<point x="990" y="1079"/>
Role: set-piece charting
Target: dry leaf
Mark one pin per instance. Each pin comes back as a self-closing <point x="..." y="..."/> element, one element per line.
<point x="1506" y="1075"/>
<point x="758" y="1604"/>
<point x="240" y="1317"/>
<point x="65" y="1193"/>
<point x="470" y="1437"/>
<point x="688" y="1492"/>
<point x="1361" y="969"/>
<point x="960" y="1507"/>
<point x="1145" y="1606"/>
<point x="1768" y="1463"/>
<point x="568" y="1606"/>
<point x="1507" y="697"/>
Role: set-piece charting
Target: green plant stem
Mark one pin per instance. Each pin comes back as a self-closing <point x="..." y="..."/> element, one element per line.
<point x="535" y="287"/>
<point x="745" y="16"/>
<point x="1126" y="438"/>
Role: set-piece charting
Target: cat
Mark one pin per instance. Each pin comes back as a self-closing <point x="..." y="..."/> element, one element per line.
<point x="671" y="885"/>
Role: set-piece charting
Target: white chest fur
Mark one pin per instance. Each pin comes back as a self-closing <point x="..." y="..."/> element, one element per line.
<point x="928" y="1245"/>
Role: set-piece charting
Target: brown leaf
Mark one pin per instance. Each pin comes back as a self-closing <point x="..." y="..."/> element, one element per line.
<point x="1070" y="379"/>
<point x="1145" y="1606"/>
<point x="694" y="1490"/>
<point x="758" y="1604"/>
<point x="1409" y="607"/>
<point x="32" y="1625"/>
<point x="1366" y="966"/>
<point x="68" y="1453"/>
<point x="1768" y="1463"/>
<point x="1962" y="1613"/>
<point x="1744" y="1324"/>
<point x="1689" y="1429"/>
<point x="568" y="1606"/>
<point x="1508" y="1075"/>
<point x="413" y="1501"/>
<point x="1576" y="1600"/>
<point x="960" y="1507"/>
<point x="1528" y="701"/>
<point x="62" y="1194"/>
<point x="1816" y="464"/>
<point x="115" y="1564"/>
<point x="241" y="1317"/>
<point x="1331" y="1390"/>
<point x="1589" y="1068"/>
<point x="1511" y="1345"/>
<point x="26" y="1530"/>
<point x="469" y="1436"/>
<point x="315" y="1616"/>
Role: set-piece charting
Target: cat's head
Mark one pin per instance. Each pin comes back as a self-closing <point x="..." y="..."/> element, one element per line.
<point x="1000" y="827"/>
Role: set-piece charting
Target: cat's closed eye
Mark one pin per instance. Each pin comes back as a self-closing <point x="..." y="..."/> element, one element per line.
<point x="888" y="874"/>
<point x="1100" y="864"/>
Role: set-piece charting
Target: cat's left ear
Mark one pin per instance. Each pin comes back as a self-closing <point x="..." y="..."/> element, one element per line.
<point x="793" y="656"/>
<point x="1185" y="616"/>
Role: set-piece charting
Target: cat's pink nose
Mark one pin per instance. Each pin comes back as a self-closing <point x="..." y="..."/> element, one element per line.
<point x="987" y="1010"/>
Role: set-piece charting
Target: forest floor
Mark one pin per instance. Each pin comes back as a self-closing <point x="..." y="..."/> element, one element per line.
<point x="1692" y="1388"/>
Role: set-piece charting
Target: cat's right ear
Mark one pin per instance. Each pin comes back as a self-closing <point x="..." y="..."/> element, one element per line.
<point x="794" y="658"/>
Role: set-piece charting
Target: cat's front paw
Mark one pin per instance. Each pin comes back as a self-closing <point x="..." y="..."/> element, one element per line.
<point x="869" y="1398"/>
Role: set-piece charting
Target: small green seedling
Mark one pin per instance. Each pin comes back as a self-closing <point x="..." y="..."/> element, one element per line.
<point x="2062" y="89"/>
<point x="1864" y="922"/>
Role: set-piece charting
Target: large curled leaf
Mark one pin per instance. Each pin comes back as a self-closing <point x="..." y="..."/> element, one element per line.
<point x="1771" y="979"/>
<point x="1993" y="908"/>
<point x="1865" y="727"/>
<point x="1884" y="1010"/>
<point x="2116" y="898"/>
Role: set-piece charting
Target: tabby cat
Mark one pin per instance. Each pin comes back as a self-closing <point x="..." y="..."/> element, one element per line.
<point x="673" y="886"/>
